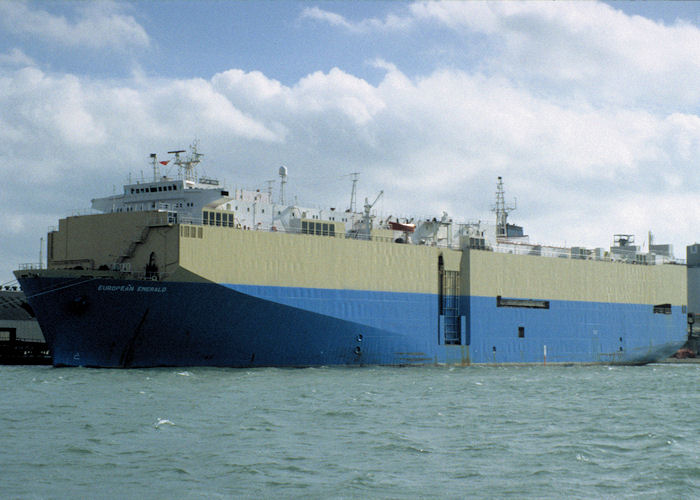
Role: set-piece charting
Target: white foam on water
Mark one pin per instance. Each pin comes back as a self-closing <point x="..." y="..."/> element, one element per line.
<point x="162" y="421"/>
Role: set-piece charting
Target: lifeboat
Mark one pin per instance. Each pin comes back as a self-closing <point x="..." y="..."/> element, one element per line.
<point x="400" y="226"/>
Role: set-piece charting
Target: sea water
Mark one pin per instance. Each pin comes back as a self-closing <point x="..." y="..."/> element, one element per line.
<point x="368" y="432"/>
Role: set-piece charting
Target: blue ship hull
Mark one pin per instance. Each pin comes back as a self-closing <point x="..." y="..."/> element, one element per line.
<point x="119" y="323"/>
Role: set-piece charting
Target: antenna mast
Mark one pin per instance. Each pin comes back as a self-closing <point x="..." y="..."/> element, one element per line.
<point x="353" y="201"/>
<point x="189" y="164"/>
<point x="501" y="210"/>
<point x="178" y="162"/>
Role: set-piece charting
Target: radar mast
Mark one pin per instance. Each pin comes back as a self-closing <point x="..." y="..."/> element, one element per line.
<point x="501" y="210"/>
<point x="187" y="167"/>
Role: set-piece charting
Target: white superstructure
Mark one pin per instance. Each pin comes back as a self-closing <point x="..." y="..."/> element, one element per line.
<point x="191" y="199"/>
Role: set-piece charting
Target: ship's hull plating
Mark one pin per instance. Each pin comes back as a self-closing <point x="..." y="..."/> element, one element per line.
<point x="118" y="323"/>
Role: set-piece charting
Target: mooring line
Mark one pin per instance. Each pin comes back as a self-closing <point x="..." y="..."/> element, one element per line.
<point x="60" y="288"/>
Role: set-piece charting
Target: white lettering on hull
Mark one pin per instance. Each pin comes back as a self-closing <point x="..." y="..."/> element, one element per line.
<point x="131" y="288"/>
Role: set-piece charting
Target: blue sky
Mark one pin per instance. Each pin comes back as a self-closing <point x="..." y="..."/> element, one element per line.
<point x="590" y="111"/>
<point x="280" y="38"/>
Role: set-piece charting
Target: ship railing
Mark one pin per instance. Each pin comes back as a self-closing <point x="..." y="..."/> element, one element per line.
<point x="146" y="276"/>
<point x="124" y="268"/>
<point x="30" y="266"/>
<point x="511" y="247"/>
<point x="77" y="212"/>
<point x="26" y="340"/>
<point x="162" y="218"/>
<point x="192" y="221"/>
<point x="517" y="248"/>
<point x="383" y="239"/>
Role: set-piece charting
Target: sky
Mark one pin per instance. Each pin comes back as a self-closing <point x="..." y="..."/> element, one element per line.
<point x="589" y="111"/>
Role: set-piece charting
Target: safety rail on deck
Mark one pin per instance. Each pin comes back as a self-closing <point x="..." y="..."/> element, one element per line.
<point x="164" y="217"/>
<point x="79" y="212"/>
<point x="30" y="266"/>
<point x="143" y="276"/>
<point x="97" y="273"/>
<point x="511" y="247"/>
<point x="516" y="248"/>
<point x="568" y="253"/>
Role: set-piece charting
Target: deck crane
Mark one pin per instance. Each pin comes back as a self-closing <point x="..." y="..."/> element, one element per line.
<point x="368" y="219"/>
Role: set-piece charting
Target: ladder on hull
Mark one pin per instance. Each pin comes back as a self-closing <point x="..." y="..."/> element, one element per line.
<point x="449" y="305"/>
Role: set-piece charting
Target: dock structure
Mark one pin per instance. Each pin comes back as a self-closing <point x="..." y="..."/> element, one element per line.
<point x="21" y="340"/>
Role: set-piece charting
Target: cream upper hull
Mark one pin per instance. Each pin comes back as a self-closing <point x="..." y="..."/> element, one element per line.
<point x="236" y="256"/>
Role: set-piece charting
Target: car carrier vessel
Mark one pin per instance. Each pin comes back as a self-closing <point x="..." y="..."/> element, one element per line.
<point x="180" y="271"/>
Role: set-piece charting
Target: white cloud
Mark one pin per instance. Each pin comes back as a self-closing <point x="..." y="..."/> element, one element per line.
<point x="325" y="16"/>
<point x="353" y="97"/>
<point x="478" y="16"/>
<point x="583" y="167"/>
<point x="197" y="102"/>
<point x="392" y="22"/>
<point x="596" y="50"/>
<point x="444" y="131"/>
<point x="584" y="49"/>
<point x="53" y="124"/>
<point x="99" y="25"/>
<point x="45" y="107"/>
<point x="432" y="143"/>
<point x="16" y="57"/>
<point x="253" y="85"/>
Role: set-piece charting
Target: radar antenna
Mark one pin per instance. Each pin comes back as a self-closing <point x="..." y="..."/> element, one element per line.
<point x="187" y="167"/>
<point x="283" y="180"/>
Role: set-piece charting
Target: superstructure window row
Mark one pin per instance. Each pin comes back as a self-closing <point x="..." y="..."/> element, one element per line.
<point x="317" y="228"/>
<point x="217" y="219"/>
<point x="154" y="189"/>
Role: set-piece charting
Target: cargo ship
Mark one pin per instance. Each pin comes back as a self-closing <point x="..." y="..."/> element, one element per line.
<point x="178" y="270"/>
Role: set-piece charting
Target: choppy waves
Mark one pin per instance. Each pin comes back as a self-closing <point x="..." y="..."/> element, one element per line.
<point x="515" y="432"/>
